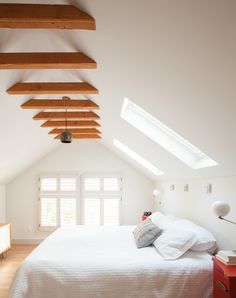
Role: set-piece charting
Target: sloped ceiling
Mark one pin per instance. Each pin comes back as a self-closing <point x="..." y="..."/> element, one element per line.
<point x="176" y="59"/>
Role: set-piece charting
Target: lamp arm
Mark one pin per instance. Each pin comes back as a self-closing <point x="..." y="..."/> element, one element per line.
<point x="220" y="217"/>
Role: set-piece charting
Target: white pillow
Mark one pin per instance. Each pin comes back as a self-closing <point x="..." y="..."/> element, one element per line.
<point x="172" y="217"/>
<point x="174" y="242"/>
<point x="205" y="241"/>
<point x="161" y="220"/>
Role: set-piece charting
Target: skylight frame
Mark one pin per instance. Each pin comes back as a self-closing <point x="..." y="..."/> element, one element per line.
<point x="138" y="158"/>
<point x="164" y="136"/>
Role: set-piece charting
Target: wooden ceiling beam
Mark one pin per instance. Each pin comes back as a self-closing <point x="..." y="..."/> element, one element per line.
<point x="80" y="104"/>
<point x="52" y="88"/>
<point x="81" y="136"/>
<point x="48" y="60"/>
<point x="71" y="124"/>
<point x="44" y="16"/>
<point x="64" y="115"/>
<point x="76" y="131"/>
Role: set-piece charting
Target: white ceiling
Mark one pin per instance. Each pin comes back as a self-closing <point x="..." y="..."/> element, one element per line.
<point x="176" y="59"/>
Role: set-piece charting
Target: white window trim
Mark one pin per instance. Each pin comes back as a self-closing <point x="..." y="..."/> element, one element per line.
<point x="58" y="194"/>
<point x="100" y="193"/>
<point x="78" y="194"/>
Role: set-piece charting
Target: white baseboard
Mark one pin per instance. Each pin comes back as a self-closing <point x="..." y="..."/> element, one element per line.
<point x="26" y="241"/>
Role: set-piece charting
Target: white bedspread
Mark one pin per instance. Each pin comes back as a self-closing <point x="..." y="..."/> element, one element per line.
<point x="104" y="262"/>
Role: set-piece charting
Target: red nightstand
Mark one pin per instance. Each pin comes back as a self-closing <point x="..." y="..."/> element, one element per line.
<point x="224" y="280"/>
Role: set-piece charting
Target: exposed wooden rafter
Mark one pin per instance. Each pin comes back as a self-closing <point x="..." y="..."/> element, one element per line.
<point x="82" y="136"/>
<point x="64" y="115"/>
<point x="62" y="124"/>
<point x="76" y="131"/>
<point x="64" y="103"/>
<point x="44" y="16"/>
<point x="57" y="60"/>
<point x="52" y="88"/>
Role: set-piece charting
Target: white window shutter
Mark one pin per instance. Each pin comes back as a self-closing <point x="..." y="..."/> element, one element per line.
<point x="68" y="211"/>
<point x="102" y="200"/>
<point x="48" y="212"/>
<point x="58" y="200"/>
<point x="92" y="209"/>
<point x="111" y="211"/>
<point x="111" y="184"/>
<point x="68" y="184"/>
<point x="48" y="184"/>
<point x="92" y="184"/>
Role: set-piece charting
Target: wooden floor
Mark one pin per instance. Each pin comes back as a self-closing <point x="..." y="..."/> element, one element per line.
<point x="9" y="265"/>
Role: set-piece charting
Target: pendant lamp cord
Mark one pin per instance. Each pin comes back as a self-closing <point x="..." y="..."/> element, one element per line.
<point x="66" y="120"/>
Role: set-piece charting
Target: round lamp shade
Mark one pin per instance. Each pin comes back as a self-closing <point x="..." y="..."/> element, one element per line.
<point x="66" y="137"/>
<point x="220" y="208"/>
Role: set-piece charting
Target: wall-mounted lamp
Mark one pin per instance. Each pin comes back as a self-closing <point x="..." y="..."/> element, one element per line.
<point x="156" y="193"/>
<point x="157" y="196"/>
<point x="221" y="209"/>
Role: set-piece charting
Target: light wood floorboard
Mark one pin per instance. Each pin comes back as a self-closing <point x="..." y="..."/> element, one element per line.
<point x="9" y="265"/>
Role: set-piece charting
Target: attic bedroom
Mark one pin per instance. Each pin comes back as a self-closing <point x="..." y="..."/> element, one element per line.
<point x="117" y="155"/>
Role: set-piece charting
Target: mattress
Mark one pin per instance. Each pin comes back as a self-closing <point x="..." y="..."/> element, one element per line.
<point x="104" y="262"/>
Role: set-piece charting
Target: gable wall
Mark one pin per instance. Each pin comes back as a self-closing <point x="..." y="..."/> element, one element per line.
<point x="82" y="157"/>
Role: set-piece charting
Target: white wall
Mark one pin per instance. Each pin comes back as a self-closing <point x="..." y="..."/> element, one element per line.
<point x="83" y="157"/>
<point x="2" y="203"/>
<point x="196" y="205"/>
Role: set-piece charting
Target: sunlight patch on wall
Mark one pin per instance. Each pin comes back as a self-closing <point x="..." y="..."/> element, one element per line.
<point x="143" y="162"/>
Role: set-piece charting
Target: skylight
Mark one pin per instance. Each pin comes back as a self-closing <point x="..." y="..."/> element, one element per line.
<point x="164" y="136"/>
<point x="146" y="164"/>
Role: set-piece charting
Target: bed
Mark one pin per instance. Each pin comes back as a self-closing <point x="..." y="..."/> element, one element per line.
<point x="104" y="262"/>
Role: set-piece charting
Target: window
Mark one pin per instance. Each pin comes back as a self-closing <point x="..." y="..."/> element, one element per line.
<point x="48" y="212"/>
<point x="58" y="201"/>
<point x="59" y="198"/>
<point x="164" y="136"/>
<point x="101" y="200"/>
<point x="146" y="164"/>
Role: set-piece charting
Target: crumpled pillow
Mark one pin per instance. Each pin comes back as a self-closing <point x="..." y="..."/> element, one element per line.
<point x="146" y="233"/>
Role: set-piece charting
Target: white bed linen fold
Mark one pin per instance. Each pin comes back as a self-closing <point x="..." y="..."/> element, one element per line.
<point x="104" y="262"/>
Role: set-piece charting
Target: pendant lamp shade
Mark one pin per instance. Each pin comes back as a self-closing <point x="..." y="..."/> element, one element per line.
<point x="66" y="137"/>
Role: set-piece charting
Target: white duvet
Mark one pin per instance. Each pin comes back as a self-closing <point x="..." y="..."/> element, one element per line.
<point x="104" y="262"/>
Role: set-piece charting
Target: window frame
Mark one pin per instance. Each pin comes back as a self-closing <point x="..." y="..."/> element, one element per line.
<point x="58" y="194"/>
<point x="78" y="194"/>
<point x="164" y="136"/>
<point x="102" y="194"/>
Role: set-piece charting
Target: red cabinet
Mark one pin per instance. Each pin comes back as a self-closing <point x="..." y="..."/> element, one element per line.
<point x="224" y="280"/>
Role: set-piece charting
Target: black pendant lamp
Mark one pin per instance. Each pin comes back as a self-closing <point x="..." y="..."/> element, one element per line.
<point x="66" y="136"/>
